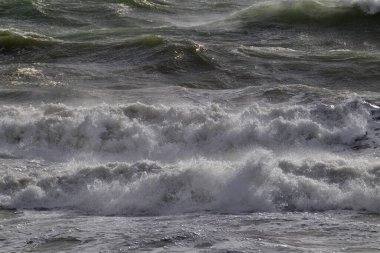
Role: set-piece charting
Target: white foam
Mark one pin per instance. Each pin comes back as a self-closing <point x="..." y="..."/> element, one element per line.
<point x="369" y="6"/>
<point x="262" y="181"/>
<point x="167" y="133"/>
<point x="175" y="159"/>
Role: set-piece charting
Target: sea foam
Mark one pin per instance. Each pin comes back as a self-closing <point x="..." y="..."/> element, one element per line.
<point x="261" y="181"/>
<point x="369" y="6"/>
<point x="167" y="133"/>
<point x="185" y="158"/>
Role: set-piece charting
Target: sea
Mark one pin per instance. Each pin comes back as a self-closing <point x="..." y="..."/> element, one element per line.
<point x="189" y="126"/>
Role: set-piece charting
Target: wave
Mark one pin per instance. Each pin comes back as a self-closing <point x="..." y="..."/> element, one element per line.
<point x="369" y="6"/>
<point x="141" y="4"/>
<point x="312" y="12"/>
<point x="20" y="8"/>
<point x="114" y="13"/>
<point x="262" y="181"/>
<point x="140" y="131"/>
<point x="11" y="39"/>
<point x="335" y="55"/>
<point x="150" y="53"/>
<point x="155" y="5"/>
<point x="37" y="11"/>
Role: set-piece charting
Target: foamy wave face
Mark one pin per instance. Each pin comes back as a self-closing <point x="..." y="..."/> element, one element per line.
<point x="262" y="181"/>
<point x="369" y="6"/>
<point x="190" y="158"/>
<point x="167" y="133"/>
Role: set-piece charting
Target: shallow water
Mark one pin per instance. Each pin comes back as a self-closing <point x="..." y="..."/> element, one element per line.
<point x="220" y="126"/>
<point x="270" y="232"/>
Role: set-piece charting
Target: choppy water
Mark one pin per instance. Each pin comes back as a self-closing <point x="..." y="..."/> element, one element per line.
<point x="214" y="126"/>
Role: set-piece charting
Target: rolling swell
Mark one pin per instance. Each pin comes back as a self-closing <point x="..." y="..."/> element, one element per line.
<point x="304" y="12"/>
<point x="155" y="5"/>
<point x="19" y="8"/>
<point x="148" y="54"/>
<point x="83" y="14"/>
<point x="36" y="12"/>
<point x="316" y="56"/>
<point x="11" y="40"/>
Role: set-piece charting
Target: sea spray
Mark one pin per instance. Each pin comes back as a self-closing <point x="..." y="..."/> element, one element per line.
<point x="161" y="132"/>
<point x="263" y="181"/>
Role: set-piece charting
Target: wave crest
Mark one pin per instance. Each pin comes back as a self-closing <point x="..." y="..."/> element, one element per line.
<point x="174" y="132"/>
<point x="262" y="182"/>
<point x="10" y="40"/>
<point x="311" y="11"/>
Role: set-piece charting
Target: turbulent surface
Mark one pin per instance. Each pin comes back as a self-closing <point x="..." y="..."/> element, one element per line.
<point x="224" y="125"/>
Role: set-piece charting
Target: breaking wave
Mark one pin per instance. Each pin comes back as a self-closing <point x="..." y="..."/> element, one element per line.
<point x="161" y="132"/>
<point x="262" y="181"/>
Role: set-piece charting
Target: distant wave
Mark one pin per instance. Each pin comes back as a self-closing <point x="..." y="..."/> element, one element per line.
<point x="21" y="7"/>
<point x="43" y="9"/>
<point x="13" y="39"/>
<point x="326" y="55"/>
<point x="36" y="11"/>
<point x="152" y="52"/>
<point x="81" y="14"/>
<point x="157" y="4"/>
<point x="311" y="11"/>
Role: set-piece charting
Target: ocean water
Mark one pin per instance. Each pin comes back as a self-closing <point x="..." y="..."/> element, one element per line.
<point x="189" y="126"/>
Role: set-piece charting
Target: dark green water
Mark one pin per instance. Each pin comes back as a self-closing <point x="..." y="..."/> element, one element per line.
<point x="203" y="44"/>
